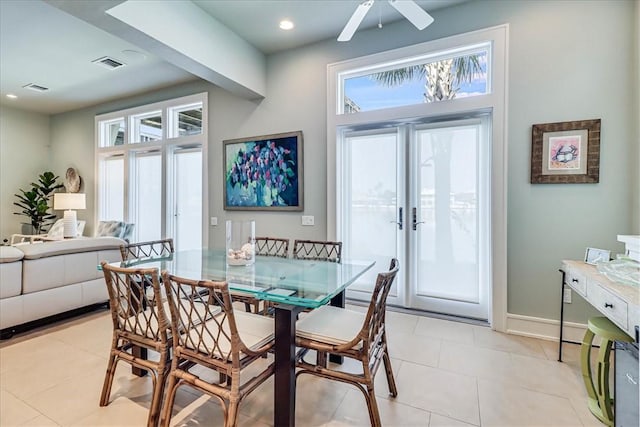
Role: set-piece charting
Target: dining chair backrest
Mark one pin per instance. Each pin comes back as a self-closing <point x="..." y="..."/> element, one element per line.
<point x="374" y="323"/>
<point x="150" y="249"/>
<point x="272" y="246"/>
<point x="318" y="250"/>
<point x="135" y="309"/>
<point x="202" y="333"/>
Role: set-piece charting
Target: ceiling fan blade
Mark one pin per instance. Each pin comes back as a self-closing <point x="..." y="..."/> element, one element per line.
<point x="354" y="21"/>
<point x="414" y="13"/>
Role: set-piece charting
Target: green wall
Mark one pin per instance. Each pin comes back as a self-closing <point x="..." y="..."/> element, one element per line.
<point x="567" y="61"/>
<point x="24" y="155"/>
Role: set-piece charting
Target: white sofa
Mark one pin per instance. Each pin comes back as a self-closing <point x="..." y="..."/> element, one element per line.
<point x="43" y="279"/>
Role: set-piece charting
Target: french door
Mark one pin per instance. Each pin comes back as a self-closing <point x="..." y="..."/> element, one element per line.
<point x="186" y="196"/>
<point x="419" y="192"/>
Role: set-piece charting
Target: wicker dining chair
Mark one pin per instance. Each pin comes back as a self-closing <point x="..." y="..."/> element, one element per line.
<point x="150" y="249"/>
<point x="317" y="250"/>
<point x="225" y="343"/>
<point x="137" y="321"/>
<point x="272" y="246"/>
<point x="354" y="335"/>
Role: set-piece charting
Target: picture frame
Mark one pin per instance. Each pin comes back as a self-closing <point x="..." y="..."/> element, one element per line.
<point x="595" y="255"/>
<point x="566" y="152"/>
<point x="264" y="172"/>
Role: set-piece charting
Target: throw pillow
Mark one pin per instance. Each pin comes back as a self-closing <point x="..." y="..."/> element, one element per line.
<point x="110" y="228"/>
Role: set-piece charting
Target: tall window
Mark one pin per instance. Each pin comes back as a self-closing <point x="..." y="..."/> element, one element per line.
<point x="151" y="170"/>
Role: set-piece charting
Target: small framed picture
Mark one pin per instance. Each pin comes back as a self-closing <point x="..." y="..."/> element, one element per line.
<point x="565" y="152"/>
<point x="594" y="255"/>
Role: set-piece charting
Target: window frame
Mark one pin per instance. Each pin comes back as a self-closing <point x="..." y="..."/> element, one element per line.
<point x="166" y="146"/>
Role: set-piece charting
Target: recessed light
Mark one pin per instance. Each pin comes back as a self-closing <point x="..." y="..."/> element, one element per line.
<point x="12" y="96"/>
<point x="285" y="24"/>
<point x="130" y="53"/>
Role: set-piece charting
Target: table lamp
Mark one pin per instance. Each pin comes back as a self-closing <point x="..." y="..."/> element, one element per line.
<point x="68" y="202"/>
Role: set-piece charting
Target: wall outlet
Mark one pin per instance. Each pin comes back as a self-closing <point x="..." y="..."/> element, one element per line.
<point x="307" y="220"/>
<point x="213" y="220"/>
<point x="567" y="296"/>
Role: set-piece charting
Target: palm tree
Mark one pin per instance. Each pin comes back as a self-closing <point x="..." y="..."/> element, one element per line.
<point x="442" y="78"/>
<point x="442" y="81"/>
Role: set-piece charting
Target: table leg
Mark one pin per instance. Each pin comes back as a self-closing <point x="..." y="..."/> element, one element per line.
<point x="337" y="301"/>
<point x="139" y="353"/>
<point x="138" y="289"/>
<point x="284" y="395"/>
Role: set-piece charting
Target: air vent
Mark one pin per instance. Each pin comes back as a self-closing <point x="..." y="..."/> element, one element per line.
<point x="108" y="62"/>
<point x="36" y="87"/>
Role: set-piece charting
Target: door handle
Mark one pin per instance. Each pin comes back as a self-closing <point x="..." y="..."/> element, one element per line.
<point x="399" y="222"/>
<point x="415" y="221"/>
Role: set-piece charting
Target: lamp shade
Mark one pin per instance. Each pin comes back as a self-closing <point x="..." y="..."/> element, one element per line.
<point x="63" y="201"/>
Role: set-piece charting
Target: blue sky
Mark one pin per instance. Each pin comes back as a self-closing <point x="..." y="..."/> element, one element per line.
<point x="370" y="95"/>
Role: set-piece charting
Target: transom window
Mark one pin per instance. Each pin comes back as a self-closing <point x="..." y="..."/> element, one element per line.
<point x="440" y="76"/>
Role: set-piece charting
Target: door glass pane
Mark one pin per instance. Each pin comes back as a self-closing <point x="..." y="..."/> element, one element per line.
<point x="447" y="240"/>
<point x="147" y="203"/>
<point x="419" y="80"/>
<point x="370" y="210"/>
<point x="146" y="127"/>
<point x="188" y="199"/>
<point x="111" y="189"/>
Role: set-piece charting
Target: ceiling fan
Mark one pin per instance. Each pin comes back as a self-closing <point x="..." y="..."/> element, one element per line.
<point x="408" y="8"/>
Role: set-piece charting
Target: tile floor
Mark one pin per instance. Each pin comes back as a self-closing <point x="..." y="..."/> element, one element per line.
<point x="448" y="374"/>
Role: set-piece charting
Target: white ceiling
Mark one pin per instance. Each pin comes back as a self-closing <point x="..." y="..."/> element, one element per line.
<point x="43" y="45"/>
<point x="257" y="21"/>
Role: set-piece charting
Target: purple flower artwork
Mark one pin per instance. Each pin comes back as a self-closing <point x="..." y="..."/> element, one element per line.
<point x="264" y="173"/>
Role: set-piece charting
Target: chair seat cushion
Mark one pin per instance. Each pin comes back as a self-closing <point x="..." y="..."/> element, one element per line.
<point x="254" y="330"/>
<point x="331" y="325"/>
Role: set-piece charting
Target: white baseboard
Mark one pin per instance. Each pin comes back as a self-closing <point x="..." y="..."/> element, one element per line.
<point x="545" y="329"/>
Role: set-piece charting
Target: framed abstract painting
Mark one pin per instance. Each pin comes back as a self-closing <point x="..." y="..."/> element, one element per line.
<point x="264" y="172"/>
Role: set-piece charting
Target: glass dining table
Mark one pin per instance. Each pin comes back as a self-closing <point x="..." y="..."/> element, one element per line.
<point x="292" y="285"/>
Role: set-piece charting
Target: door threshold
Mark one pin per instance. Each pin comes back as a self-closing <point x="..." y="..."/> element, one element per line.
<point x="424" y="313"/>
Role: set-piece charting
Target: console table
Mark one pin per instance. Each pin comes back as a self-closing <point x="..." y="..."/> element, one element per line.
<point x="618" y="302"/>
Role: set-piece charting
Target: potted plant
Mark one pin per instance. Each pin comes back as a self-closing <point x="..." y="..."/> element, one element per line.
<point x="35" y="202"/>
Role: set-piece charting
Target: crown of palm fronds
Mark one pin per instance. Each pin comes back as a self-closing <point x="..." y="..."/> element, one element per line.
<point x="463" y="70"/>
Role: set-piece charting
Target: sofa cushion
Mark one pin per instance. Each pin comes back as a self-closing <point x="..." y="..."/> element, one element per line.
<point x="44" y="273"/>
<point x="69" y="246"/>
<point x="10" y="254"/>
<point x="110" y="228"/>
<point x="127" y="232"/>
<point x="10" y="279"/>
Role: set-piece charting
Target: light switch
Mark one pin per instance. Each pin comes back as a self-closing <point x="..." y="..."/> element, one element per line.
<point x="307" y="220"/>
<point x="214" y="220"/>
